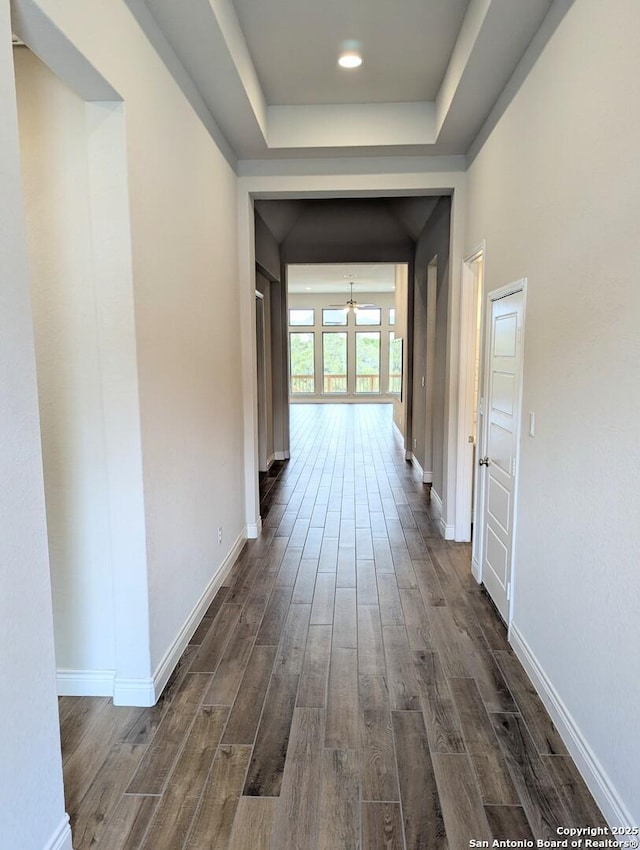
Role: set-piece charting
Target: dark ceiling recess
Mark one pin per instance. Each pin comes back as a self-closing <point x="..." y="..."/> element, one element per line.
<point x="408" y="215"/>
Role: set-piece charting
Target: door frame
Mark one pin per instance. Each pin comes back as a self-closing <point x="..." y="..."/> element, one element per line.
<point x="306" y="183"/>
<point x="261" y="383"/>
<point x="483" y="437"/>
<point x="430" y="367"/>
<point x="471" y="290"/>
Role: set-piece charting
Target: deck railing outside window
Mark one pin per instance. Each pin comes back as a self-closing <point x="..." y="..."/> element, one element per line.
<point x="302" y="384"/>
<point x="338" y="383"/>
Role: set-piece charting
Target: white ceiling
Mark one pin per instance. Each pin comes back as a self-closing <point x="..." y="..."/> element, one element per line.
<point x="405" y="47"/>
<point x="328" y="277"/>
<point x="263" y="76"/>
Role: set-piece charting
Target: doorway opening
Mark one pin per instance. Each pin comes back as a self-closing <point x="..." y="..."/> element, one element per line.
<point x="327" y="353"/>
<point x="54" y="145"/>
<point x="74" y="172"/>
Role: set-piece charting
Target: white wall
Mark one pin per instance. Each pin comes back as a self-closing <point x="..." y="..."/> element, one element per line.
<point x="556" y="193"/>
<point x="189" y="365"/>
<point x="184" y="260"/>
<point x="53" y="136"/>
<point x="31" y="794"/>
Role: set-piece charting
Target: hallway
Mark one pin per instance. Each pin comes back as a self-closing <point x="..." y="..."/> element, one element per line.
<point x="350" y="686"/>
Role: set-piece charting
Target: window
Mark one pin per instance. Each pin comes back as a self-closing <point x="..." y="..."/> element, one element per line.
<point x="301" y="318"/>
<point x="334" y="317"/>
<point x="302" y="361"/>
<point x="357" y="355"/>
<point x="395" y="364"/>
<point x="368" y="362"/>
<point x="334" y="357"/>
<point x="368" y="316"/>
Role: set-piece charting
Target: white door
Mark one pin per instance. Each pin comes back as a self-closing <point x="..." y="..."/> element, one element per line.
<point x="502" y="433"/>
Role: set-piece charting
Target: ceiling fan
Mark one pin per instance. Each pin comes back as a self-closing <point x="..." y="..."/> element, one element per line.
<point x="351" y="304"/>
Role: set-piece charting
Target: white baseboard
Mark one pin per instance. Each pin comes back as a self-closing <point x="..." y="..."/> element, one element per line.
<point x="85" y="683"/>
<point x="105" y="683"/>
<point x="61" y="838"/>
<point x="281" y="455"/>
<point x="415" y="463"/>
<point x="447" y="531"/>
<point x="134" y="692"/>
<point x="144" y="692"/>
<point x="476" y="572"/>
<point x="270" y="461"/>
<point x="254" y="529"/>
<point x="173" y="654"/>
<point x="425" y="477"/>
<point x="400" y="436"/>
<point x="605" y="794"/>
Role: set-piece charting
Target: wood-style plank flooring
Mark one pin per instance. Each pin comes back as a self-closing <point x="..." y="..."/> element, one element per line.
<point x="349" y="687"/>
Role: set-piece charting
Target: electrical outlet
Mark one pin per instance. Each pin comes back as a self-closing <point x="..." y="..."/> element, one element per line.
<point x="415" y="444"/>
<point x="219" y="536"/>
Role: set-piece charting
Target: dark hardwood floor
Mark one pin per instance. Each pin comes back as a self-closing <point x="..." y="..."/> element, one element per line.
<point x="349" y="687"/>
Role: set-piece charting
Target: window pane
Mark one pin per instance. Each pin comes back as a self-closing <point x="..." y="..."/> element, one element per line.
<point x="392" y="316"/>
<point x="334" y="317"/>
<point x="301" y="363"/>
<point x="368" y="316"/>
<point x="395" y="364"/>
<point x="298" y="318"/>
<point x="334" y="355"/>
<point x="368" y="362"/>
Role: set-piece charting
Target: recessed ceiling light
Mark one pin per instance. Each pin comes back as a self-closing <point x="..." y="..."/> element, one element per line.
<point x="308" y="288"/>
<point x="351" y="59"/>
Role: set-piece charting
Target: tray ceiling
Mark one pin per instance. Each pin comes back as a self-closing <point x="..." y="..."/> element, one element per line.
<point x="264" y="75"/>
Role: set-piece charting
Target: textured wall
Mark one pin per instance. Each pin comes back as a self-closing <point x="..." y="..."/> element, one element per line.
<point x="30" y="767"/>
<point x="556" y="193"/>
